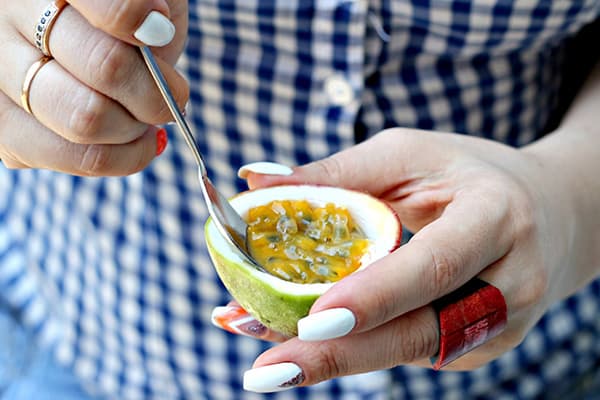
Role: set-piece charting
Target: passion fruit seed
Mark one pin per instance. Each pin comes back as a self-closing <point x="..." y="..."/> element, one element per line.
<point x="301" y="243"/>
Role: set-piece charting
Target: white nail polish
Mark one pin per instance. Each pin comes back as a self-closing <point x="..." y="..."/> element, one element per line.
<point x="156" y="30"/>
<point x="327" y="324"/>
<point x="273" y="378"/>
<point x="264" y="167"/>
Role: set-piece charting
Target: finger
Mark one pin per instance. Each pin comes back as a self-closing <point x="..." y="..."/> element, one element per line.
<point x="264" y="167"/>
<point x="134" y="21"/>
<point x="401" y="341"/>
<point x="437" y="260"/>
<point x="64" y="104"/>
<point x="30" y="144"/>
<point x="402" y="156"/>
<point x="233" y="318"/>
<point x="106" y="64"/>
<point x="410" y="339"/>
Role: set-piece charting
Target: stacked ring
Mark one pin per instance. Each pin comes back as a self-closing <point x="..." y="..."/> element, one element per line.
<point x="45" y="24"/>
<point x="468" y="317"/>
<point x="31" y="73"/>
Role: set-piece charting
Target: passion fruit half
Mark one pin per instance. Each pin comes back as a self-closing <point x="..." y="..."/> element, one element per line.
<point x="279" y="303"/>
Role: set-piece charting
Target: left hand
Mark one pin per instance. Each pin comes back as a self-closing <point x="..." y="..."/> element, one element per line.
<point x="478" y="208"/>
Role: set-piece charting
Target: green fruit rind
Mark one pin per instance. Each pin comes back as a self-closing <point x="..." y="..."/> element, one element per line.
<point x="278" y="310"/>
<point x="277" y="303"/>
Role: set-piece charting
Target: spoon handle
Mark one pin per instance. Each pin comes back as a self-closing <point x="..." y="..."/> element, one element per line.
<point x="173" y="107"/>
<point x="228" y="221"/>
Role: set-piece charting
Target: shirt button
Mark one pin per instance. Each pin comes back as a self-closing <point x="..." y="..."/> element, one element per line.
<point x="339" y="90"/>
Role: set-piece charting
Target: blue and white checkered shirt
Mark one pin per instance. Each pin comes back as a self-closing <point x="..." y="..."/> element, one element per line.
<point x="113" y="272"/>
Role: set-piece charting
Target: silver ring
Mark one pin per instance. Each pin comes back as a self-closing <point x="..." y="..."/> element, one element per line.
<point x="44" y="25"/>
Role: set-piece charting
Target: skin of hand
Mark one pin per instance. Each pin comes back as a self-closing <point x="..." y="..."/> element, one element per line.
<point x="524" y="220"/>
<point x="95" y="106"/>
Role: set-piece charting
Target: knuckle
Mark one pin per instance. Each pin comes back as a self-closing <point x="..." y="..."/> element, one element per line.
<point x="524" y="223"/>
<point x="87" y="119"/>
<point x="331" y="168"/>
<point x="159" y="113"/>
<point x="121" y="16"/>
<point x="406" y="136"/>
<point x="97" y="160"/>
<point x="381" y="309"/>
<point x="536" y="291"/>
<point x="445" y="270"/>
<point x="140" y="158"/>
<point x="113" y="64"/>
<point x="94" y="160"/>
<point x="412" y="347"/>
<point x="330" y="361"/>
<point x="416" y="343"/>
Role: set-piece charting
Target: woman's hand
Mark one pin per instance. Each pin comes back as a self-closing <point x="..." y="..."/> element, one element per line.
<point x="478" y="208"/>
<point x="94" y="106"/>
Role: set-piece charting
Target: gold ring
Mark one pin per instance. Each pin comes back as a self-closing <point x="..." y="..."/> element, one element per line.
<point x="44" y="25"/>
<point x="29" y="76"/>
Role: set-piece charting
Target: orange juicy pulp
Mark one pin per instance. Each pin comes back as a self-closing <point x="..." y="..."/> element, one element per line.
<point x="304" y="244"/>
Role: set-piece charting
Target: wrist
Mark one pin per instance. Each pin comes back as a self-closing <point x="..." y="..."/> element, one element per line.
<point x="568" y="161"/>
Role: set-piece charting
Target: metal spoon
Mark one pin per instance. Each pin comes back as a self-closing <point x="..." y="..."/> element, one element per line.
<point x="229" y="223"/>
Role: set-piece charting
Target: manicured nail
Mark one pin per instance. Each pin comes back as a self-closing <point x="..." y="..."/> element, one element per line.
<point x="237" y="320"/>
<point x="273" y="378"/>
<point x="161" y="141"/>
<point x="156" y="30"/>
<point x="264" y="167"/>
<point x="327" y="324"/>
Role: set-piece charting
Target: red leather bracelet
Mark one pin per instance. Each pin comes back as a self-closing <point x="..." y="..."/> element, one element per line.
<point x="468" y="317"/>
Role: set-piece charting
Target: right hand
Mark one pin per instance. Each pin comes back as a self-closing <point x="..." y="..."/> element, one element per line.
<point x="94" y="106"/>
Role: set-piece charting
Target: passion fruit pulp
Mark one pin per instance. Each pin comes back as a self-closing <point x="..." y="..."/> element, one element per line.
<point x="279" y="303"/>
<point x="301" y="243"/>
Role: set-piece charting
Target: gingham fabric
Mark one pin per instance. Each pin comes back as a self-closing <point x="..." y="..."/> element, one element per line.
<point x="112" y="273"/>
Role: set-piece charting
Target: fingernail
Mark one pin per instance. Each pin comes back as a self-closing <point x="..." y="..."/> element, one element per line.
<point x="273" y="378"/>
<point x="264" y="167"/>
<point x="237" y="320"/>
<point x="328" y="324"/>
<point x="156" y="30"/>
<point x="161" y="141"/>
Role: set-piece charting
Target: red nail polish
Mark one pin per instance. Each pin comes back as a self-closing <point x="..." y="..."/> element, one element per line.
<point x="161" y="141"/>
